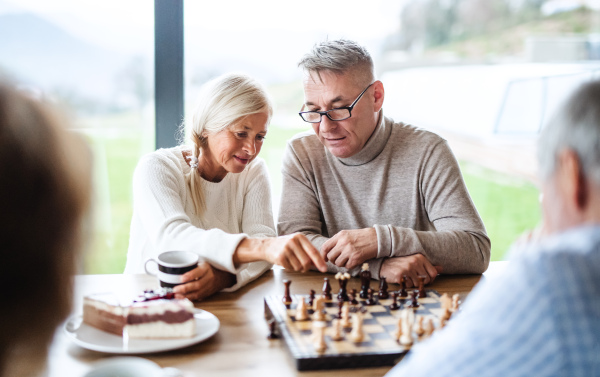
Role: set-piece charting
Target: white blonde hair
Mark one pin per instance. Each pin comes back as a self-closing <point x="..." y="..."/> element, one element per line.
<point x="223" y="101"/>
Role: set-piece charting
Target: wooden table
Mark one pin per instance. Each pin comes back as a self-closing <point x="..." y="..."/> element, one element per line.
<point x="241" y="347"/>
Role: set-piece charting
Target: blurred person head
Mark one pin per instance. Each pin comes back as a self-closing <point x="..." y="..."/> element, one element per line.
<point x="44" y="192"/>
<point x="340" y="80"/>
<point x="227" y="130"/>
<point x="569" y="160"/>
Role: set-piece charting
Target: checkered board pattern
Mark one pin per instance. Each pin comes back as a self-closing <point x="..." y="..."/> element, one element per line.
<point x="378" y="347"/>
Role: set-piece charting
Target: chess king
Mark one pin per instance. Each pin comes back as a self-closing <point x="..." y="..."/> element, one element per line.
<point x="541" y="318"/>
<point x="365" y="188"/>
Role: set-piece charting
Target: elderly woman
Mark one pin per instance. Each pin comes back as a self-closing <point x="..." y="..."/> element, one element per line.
<point x="186" y="199"/>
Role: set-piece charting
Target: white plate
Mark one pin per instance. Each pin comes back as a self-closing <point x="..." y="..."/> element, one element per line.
<point x="97" y="340"/>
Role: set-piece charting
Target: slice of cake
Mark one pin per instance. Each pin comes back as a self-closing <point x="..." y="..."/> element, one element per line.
<point x="153" y="315"/>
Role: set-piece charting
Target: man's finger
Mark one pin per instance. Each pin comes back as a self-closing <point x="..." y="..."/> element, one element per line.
<point x="293" y="262"/>
<point x="326" y="248"/>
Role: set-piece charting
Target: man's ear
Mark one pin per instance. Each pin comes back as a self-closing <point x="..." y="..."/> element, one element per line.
<point x="571" y="178"/>
<point x="378" y="95"/>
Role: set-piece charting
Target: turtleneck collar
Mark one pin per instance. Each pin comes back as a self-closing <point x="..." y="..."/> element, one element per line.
<point x="373" y="146"/>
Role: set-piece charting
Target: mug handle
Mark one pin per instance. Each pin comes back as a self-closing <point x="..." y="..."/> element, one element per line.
<point x="146" y="266"/>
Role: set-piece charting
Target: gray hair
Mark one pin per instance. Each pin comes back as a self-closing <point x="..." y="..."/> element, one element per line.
<point x="575" y="126"/>
<point x="223" y="101"/>
<point x="339" y="56"/>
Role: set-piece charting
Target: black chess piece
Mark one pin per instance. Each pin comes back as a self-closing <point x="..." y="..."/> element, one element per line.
<point x="311" y="298"/>
<point x="272" y="330"/>
<point x="422" y="293"/>
<point x="340" y="305"/>
<point x="343" y="295"/>
<point x="327" y="289"/>
<point x="352" y="297"/>
<point x="394" y="305"/>
<point x="370" y="299"/>
<point x="414" y="299"/>
<point x="287" y="298"/>
<point x="402" y="291"/>
<point x="383" y="288"/>
<point x="365" y="282"/>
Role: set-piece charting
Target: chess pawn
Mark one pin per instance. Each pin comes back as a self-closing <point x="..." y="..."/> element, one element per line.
<point x="419" y="327"/>
<point x="287" y="298"/>
<point x="342" y="279"/>
<point x="301" y="310"/>
<point x="319" y="337"/>
<point x="346" y="315"/>
<point x="402" y="291"/>
<point x="337" y="330"/>
<point x="394" y="305"/>
<point x="357" y="335"/>
<point x="422" y="293"/>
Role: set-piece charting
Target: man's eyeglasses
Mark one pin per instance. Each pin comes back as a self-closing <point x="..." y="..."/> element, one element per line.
<point x="340" y="113"/>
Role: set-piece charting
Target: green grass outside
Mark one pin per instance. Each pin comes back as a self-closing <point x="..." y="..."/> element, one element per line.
<point x="507" y="206"/>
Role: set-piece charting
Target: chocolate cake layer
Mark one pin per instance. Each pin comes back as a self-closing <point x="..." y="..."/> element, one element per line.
<point x="167" y="317"/>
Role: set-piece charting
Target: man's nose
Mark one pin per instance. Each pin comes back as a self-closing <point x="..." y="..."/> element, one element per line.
<point x="327" y="124"/>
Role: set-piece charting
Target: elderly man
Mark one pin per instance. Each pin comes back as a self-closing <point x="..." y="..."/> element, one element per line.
<point x="364" y="188"/>
<point x="542" y="318"/>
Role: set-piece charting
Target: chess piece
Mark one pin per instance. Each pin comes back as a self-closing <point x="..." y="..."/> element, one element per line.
<point x="357" y="335"/>
<point x="301" y="310"/>
<point x="365" y="280"/>
<point x="422" y="293"/>
<point x="394" y="305"/>
<point x="311" y="298"/>
<point x="414" y="299"/>
<point x="342" y="279"/>
<point x="287" y="298"/>
<point x="272" y="330"/>
<point x="340" y="305"/>
<point x="319" y="309"/>
<point x="419" y="326"/>
<point x="370" y="300"/>
<point x="319" y="337"/>
<point x="428" y="328"/>
<point x="383" y="288"/>
<point x="398" y="332"/>
<point x="327" y="289"/>
<point x="402" y="292"/>
<point x="337" y="333"/>
<point x="352" y="297"/>
<point x="455" y="303"/>
<point x="408" y="319"/>
<point x="346" y="316"/>
<point x="446" y="303"/>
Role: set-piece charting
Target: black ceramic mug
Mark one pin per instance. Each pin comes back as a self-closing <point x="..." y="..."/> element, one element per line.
<point x="171" y="265"/>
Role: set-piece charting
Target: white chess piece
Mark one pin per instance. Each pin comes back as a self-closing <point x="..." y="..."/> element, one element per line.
<point x="346" y="315"/>
<point x="318" y="308"/>
<point x="337" y="330"/>
<point x="357" y="334"/>
<point x="408" y="320"/>
<point x="301" y="310"/>
<point x="319" y="336"/>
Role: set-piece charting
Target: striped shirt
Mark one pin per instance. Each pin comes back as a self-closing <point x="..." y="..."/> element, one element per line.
<point x="540" y="318"/>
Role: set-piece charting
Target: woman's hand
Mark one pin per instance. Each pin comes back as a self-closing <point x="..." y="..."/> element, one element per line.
<point x="203" y="281"/>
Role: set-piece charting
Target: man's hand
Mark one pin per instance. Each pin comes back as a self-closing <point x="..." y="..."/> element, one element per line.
<point x="410" y="266"/>
<point x="293" y="252"/>
<point x="350" y="248"/>
<point x="203" y="281"/>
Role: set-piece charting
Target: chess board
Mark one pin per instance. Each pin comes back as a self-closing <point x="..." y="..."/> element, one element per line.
<point x="378" y="348"/>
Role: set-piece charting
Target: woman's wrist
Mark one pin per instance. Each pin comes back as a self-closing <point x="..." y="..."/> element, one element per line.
<point x="250" y="250"/>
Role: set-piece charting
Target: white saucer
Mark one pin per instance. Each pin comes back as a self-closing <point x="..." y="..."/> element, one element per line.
<point x="97" y="340"/>
<point x="125" y="366"/>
